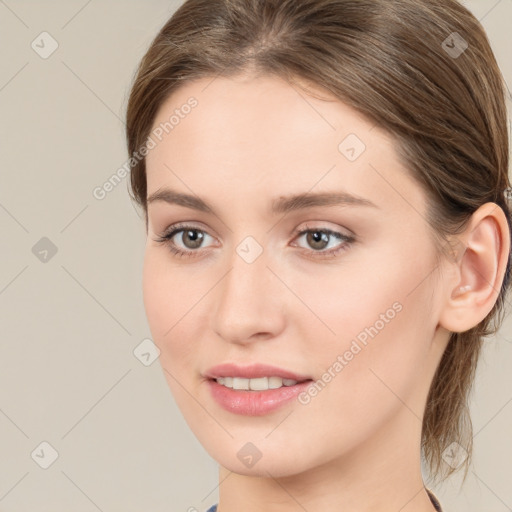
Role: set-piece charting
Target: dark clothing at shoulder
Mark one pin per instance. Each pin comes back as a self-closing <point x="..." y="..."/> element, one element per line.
<point x="433" y="499"/>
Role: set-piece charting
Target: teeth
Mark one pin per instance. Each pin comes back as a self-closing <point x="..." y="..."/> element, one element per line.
<point x="259" y="384"/>
<point x="275" y="382"/>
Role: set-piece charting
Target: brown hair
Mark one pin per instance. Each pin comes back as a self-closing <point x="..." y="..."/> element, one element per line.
<point x="394" y="62"/>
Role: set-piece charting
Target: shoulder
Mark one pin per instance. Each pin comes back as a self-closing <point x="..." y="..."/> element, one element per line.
<point x="213" y="508"/>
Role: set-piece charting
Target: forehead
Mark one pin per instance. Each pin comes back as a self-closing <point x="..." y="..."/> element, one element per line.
<point x="265" y="133"/>
<point x="255" y="109"/>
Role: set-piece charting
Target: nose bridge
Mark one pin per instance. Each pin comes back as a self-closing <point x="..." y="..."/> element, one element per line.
<point x="246" y="299"/>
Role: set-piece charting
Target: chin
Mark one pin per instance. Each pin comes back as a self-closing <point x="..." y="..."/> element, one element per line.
<point x="245" y="459"/>
<point x="274" y="468"/>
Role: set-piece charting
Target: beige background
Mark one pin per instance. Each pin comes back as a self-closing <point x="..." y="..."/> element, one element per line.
<point x="69" y="326"/>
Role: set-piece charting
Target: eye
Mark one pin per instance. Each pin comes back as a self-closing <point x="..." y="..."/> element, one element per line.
<point x="319" y="239"/>
<point x="191" y="237"/>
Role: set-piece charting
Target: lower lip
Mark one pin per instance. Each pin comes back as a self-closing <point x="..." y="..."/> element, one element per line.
<point x="254" y="403"/>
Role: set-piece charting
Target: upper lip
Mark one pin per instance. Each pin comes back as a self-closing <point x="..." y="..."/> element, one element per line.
<point x="252" y="371"/>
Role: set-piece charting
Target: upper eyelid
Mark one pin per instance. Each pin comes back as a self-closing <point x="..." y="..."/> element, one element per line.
<point x="176" y="228"/>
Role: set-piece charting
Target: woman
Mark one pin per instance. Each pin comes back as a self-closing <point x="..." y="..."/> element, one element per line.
<point x="328" y="240"/>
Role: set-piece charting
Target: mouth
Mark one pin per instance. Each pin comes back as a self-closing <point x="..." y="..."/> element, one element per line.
<point x="253" y="402"/>
<point x="254" y="372"/>
<point x="254" y="390"/>
<point x="256" y="384"/>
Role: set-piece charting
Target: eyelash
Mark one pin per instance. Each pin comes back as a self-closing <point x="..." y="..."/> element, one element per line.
<point x="178" y="228"/>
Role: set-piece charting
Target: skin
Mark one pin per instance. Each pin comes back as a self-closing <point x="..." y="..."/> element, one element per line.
<point x="356" y="445"/>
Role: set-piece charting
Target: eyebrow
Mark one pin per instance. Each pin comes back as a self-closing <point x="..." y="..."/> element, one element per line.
<point x="282" y="204"/>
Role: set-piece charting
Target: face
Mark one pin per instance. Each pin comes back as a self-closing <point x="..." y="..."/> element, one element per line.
<point x="337" y="290"/>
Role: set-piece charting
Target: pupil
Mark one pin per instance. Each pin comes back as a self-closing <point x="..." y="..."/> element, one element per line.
<point x="196" y="238"/>
<point x="319" y="237"/>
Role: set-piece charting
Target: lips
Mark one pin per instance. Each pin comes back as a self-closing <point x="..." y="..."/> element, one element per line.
<point x="253" y="402"/>
<point x="253" y="371"/>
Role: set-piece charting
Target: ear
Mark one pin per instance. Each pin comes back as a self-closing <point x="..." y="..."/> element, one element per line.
<point x="474" y="286"/>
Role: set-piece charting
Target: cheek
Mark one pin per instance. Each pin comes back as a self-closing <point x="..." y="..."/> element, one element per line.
<point x="365" y="289"/>
<point x="169" y="300"/>
<point x="158" y="301"/>
<point x="383" y="329"/>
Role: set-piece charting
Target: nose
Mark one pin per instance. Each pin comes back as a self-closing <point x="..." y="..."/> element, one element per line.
<point x="250" y="302"/>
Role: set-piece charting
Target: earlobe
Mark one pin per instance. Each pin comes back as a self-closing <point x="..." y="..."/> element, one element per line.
<point x="481" y="270"/>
